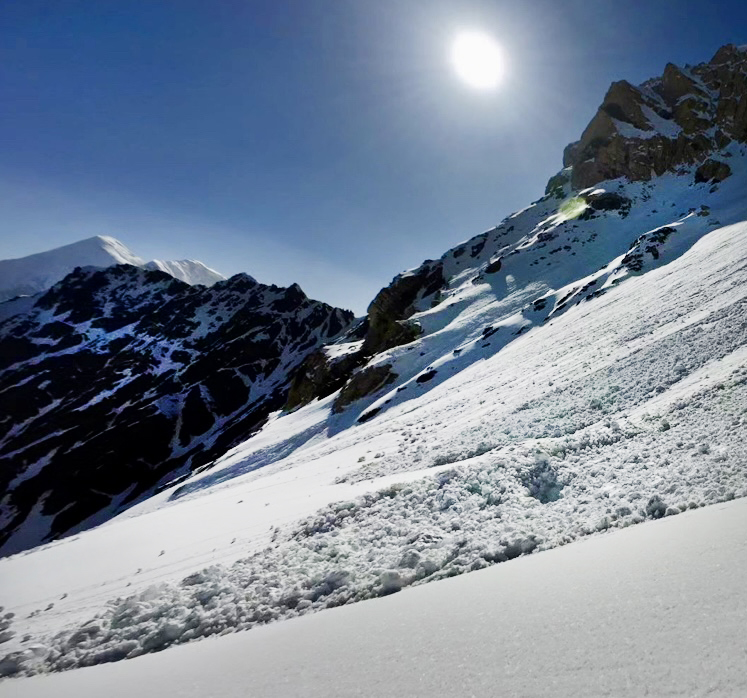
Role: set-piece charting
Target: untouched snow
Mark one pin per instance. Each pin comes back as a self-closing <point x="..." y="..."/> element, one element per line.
<point x="189" y="270"/>
<point x="27" y="276"/>
<point x="656" y="610"/>
<point x="37" y="272"/>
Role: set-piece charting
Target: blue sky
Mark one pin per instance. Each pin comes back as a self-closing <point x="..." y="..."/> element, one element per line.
<point x="326" y="142"/>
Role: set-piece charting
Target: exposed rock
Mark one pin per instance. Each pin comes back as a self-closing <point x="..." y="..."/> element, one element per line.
<point x="165" y="377"/>
<point x="557" y="183"/>
<point x="675" y="85"/>
<point x="608" y="201"/>
<point x="623" y="102"/>
<point x="494" y="266"/>
<point x="319" y="376"/>
<point x="699" y="111"/>
<point x="365" y="382"/>
<point x="396" y="303"/>
<point x="712" y="171"/>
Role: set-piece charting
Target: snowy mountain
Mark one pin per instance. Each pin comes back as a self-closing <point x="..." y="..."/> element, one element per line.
<point x="188" y="270"/>
<point x="118" y="379"/>
<point x="37" y="272"/>
<point x="580" y="367"/>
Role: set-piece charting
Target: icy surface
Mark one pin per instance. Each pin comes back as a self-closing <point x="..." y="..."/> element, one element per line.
<point x="656" y="610"/>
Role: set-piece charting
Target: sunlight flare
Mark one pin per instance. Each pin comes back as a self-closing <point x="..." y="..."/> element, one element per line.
<point x="478" y="60"/>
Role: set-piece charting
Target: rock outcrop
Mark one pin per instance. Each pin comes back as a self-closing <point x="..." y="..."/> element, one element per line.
<point x="386" y="326"/>
<point x="679" y="119"/>
<point x="393" y="305"/>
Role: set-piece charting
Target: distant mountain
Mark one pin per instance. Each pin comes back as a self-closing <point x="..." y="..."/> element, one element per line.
<point x="37" y="272"/>
<point x="188" y="270"/>
<point x="119" y="379"/>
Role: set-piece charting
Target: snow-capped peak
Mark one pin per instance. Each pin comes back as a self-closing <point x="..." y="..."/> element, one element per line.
<point x="189" y="270"/>
<point x="37" y="272"/>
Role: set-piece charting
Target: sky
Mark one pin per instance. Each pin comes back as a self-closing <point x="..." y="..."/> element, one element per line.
<point x="324" y="142"/>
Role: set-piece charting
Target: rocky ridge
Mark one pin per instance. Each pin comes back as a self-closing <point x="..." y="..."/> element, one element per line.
<point x="120" y="379"/>
<point x="680" y="118"/>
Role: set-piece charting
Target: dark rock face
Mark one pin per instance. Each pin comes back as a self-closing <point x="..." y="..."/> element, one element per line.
<point x="608" y="201"/>
<point x="385" y="326"/>
<point x="395" y="303"/>
<point x="320" y="376"/>
<point x="677" y="119"/>
<point x="364" y="382"/>
<point x="121" y="379"/>
<point x="712" y="171"/>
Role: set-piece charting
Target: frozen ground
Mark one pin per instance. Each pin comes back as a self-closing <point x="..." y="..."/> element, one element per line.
<point x="627" y="407"/>
<point x="657" y="610"/>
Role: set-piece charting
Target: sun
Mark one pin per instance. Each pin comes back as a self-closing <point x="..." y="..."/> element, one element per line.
<point x="478" y="60"/>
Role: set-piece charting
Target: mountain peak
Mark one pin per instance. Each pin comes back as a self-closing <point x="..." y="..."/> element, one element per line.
<point x="678" y="119"/>
<point x="29" y="275"/>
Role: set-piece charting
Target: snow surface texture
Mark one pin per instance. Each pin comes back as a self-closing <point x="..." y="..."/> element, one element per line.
<point x="38" y="272"/>
<point x="627" y="407"/>
<point x="653" y="610"/>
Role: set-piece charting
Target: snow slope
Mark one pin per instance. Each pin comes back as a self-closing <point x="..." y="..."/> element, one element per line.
<point x="657" y="610"/>
<point x="626" y="407"/>
<point x="581" y="366"/>
<point x="29" y="275"/>
<point x="189" y="270"/>
<point x="120" y="380"/>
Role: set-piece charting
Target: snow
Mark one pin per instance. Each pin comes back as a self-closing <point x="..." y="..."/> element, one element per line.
<point x="27" y="276"/>
<point x="568" y="431"/>
<point x="513" y="426"/>
<point x="16" y="306"/>
<point x="660" y="126"/>
<point x="658" y="609"/>
<point x="189" y="270"/>
<point x="37" y="272"/>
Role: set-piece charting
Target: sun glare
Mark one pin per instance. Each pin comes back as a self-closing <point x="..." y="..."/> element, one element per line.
<point x="572" y="208"/>
<point x="478" y="60"/>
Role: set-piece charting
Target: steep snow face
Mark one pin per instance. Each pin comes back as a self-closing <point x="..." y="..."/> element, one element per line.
<point x="37" y="272"/>
<point x="118" y="379"/>
<point x="188" y="270"/>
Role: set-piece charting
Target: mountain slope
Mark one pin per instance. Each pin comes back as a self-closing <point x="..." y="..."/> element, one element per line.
<point x="37" y="272"/>
<point x="609" y="616"/>
<point x="117" y="379"/>
<point x="652" y="424"/>
<point x="188" y="270"/>
<point x="579" y="367"/>
<point x="30" y="275"/>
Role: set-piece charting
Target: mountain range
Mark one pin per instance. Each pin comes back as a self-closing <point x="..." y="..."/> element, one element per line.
<point x="579" y="367"/>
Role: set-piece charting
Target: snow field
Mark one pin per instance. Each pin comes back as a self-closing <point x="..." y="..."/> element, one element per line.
<point x="582" y="458"/>
<point x="627" y="406"/>
<point x="653" y="610"/>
